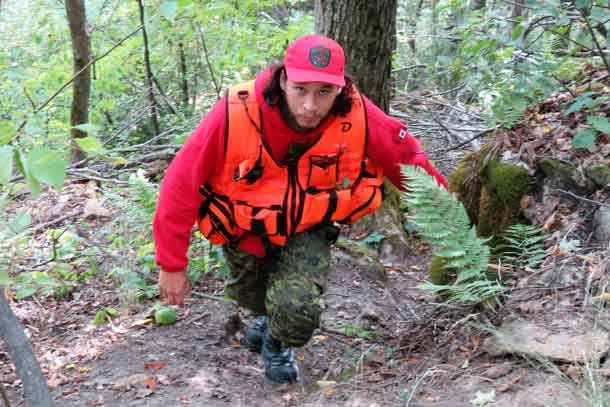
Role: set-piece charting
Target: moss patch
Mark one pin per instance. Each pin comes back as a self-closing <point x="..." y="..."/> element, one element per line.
<point x="438" y="274"/>
<point x="600" y="175"/>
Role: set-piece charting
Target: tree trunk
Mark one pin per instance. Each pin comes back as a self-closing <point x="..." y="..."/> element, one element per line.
<point x="149" y="75"/>
<point x="21" y="353"/>
<point x="413" y="19"/>
<point x="477" y="4"/>
<point x="516" y="14"/>
<point x="367" y="32"/>
<point x="183" y="74"/>
<point x="81" y="87"/>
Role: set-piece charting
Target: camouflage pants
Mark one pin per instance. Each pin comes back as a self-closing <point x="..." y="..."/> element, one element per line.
<point x="287" y="285"/>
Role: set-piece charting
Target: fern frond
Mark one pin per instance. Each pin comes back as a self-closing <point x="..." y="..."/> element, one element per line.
<point x="443" y="222"/>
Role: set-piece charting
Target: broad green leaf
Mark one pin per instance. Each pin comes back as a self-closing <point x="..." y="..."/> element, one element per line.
<point x="31" y="180"/>
<point x="583" y="4"/>
<point x="599" y="123"/>
<point x="152" y="25"/>
<point x="5" y="279"/>
<point x="47" y="166"/>
<point x="579" y="104"/>
<point x="599" y="15"/>
<point x="90" y="145"/>
<point x="6" y="132"/>
<point x="20" y="222"/>
<point x="584" y="139"/>
<point x="88" y="128"/>
<point x="168" y="9"/>
<point x="25" y="293"/>
<point x="6" y="164"/>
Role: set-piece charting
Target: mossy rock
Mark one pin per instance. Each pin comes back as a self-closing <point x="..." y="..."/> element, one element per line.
<point x="503" y="187"/>
<point x="465" y="182"/>
<point x="600" y="175"/>
<point x="565" y="176"/>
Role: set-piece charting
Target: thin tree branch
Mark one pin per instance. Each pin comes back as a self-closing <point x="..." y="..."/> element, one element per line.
<point x="597" y="45"/>
<point x="573" y="195"/>
<point x="207" y="59"/>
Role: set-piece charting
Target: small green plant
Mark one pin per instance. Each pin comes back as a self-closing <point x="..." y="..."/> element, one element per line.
<point x="521" y="246"/>
<point x="357" y="331"/>
<point x="443" y="222"/>
<point x="105" y="315"/>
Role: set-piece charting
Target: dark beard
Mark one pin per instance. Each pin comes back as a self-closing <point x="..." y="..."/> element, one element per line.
<point x="292" y="122"/>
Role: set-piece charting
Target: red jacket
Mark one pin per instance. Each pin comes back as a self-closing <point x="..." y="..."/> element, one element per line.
<point x="389" y="145"/>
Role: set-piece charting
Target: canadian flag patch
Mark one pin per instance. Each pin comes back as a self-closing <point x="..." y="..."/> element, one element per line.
<point x="402" y="134"/>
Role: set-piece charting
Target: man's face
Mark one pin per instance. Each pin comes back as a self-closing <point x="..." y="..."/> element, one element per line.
<point x="309" y="102"/>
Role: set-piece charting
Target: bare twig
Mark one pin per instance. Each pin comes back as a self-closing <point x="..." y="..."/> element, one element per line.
<point x="582" y="198"/>
<point x="476" y="136"/>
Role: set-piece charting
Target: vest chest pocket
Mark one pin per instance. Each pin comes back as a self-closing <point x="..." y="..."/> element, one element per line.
<point x="324" y="206"/>
<point x="260" y="221"/>
<point x="323" y="171"/>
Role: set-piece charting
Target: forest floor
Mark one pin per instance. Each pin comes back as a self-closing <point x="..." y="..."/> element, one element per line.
<point x="382" y="342"/>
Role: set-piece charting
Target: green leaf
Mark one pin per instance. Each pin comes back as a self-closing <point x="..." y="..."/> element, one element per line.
<point x="88" y="128"/>
<point x="5" y="279"/>
<point x="7" y="131"/>
<point x="583" y="4"/>
<point x="584" y="139"/>
<point x="100" y="318"/>
<point x="168" y="9"/>
<point x="111" y="312"/>
<point x="90" y="145"/>
<point x="31" y="180"/>
<point x="20" y="222"/>
<point x="6" y="164"/>
<point x="47" y="166"/>
<point x="599" y="123"/>
<point x="578" y="104"/>
<point x="25" y="293"/>
<point x="517" y="32"/>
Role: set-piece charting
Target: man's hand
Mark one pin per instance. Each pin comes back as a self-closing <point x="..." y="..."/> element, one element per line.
<point x="173" y="287"/>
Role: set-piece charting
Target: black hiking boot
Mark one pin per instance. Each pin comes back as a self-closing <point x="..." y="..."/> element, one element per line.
<point x="255" y="333"/>
<point x="280" y="366"/>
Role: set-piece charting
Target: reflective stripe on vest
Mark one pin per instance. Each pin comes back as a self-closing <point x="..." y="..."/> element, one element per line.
<point x="332" y="180"/>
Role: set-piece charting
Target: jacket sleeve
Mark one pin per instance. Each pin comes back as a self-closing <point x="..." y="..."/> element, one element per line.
<point x="390" y="144"/>
<point x="179" y="198"/>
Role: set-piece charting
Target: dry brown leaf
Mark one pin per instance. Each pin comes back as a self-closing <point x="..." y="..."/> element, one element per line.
<point x="155" y="365"/>
<point x="151" y="383"/>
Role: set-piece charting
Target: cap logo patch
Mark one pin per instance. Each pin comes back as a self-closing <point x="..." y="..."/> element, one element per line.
<point x="319" y="56"/>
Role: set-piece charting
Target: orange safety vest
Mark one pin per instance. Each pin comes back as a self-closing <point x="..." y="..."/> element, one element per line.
<point x="331" y="181"/>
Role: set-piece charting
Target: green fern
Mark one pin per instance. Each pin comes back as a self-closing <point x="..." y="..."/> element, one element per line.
<point x="443" y="222"/>
<point x="521" y="246"/>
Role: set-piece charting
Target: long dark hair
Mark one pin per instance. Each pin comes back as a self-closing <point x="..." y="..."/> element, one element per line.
<point x="274" y="95"/>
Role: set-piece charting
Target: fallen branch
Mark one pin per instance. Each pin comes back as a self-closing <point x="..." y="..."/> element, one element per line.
<point x="20" y="351"/>
<point x="7" y="403"/>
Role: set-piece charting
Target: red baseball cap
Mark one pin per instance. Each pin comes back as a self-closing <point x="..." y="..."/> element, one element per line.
<point x="314" y="58"/>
